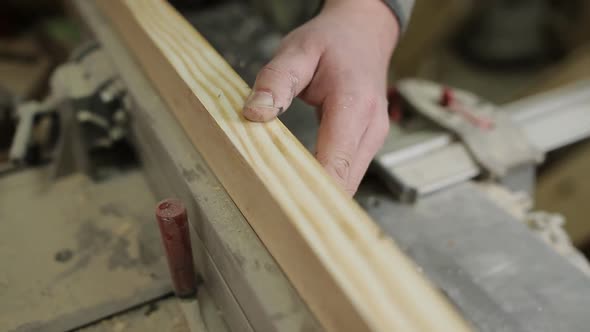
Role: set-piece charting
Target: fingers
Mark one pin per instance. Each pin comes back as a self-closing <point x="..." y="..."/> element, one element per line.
<point x="283" y="78"/>
<point x="370" y="144"/>
<point x="352" y="129"/>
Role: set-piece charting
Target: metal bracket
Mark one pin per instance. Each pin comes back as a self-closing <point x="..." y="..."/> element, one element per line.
<point x="458" y="136"/>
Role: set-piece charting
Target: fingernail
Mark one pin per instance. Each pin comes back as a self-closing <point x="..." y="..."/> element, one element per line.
<point x="260" y="107"/>
<point x="260" y="99"/>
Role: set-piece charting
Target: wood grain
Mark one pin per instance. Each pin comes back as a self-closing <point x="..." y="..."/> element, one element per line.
<point x="351" y="276"/>
<point x="243" y="278"/>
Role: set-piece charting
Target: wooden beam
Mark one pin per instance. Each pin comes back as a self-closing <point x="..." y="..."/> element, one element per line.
<point x="228" y="254"/>
<point x="352" y="277"/>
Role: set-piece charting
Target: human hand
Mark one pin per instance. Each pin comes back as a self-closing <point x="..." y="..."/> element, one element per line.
<point x="337" y="62"/>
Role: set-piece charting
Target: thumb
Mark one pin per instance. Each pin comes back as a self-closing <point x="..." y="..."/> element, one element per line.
<point x="277" y="83"/>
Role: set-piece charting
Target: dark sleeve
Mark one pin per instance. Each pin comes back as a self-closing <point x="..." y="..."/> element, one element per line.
<point x="402" y="9"/>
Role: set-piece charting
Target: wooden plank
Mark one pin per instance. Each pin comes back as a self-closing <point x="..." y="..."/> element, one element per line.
<point x="206" y="268"/>
<point x="176" y="169"/>
<point x="352" y="277"/>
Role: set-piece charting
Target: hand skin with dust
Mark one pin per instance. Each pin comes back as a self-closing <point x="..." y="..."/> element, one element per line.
<point x="337" y="62"/>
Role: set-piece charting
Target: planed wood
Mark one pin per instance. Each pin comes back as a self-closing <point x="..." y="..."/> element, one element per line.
<point x="351" y="276"/>
<point x="228" y="254"/>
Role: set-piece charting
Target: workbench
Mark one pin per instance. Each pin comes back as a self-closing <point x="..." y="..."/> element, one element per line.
<point x="453" y="235"/>
<point x="499" y="275"/>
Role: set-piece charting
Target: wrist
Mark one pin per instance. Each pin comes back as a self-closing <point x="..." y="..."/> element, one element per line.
<point x="377" y="11"/>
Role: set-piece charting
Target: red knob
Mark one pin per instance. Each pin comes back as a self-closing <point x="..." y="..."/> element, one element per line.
<point x="174" y="229"/>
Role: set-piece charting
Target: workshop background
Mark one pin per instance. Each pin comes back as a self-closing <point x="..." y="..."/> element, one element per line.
<point x="77" y="211"/>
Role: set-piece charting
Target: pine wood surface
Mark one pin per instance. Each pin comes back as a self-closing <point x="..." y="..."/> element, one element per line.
<point x="352" y="277"/>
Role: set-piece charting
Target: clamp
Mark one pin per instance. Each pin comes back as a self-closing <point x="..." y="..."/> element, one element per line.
<point x="443" y="136"/>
